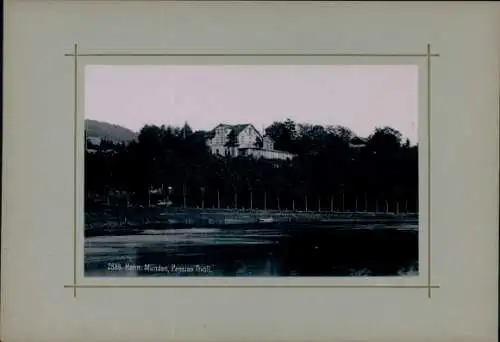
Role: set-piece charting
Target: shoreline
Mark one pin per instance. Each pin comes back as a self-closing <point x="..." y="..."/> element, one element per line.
<point x="138" y="219"/>
<point x="225" y="216"/>
<point x="162" y="210"/>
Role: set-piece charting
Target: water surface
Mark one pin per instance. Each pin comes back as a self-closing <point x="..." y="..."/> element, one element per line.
<point x="265" y="249"/>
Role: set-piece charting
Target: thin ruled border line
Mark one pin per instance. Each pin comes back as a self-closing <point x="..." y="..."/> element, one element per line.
<point x="429" y="176"/>
<point x="428" y="56"/>
<point x="245" y="54"/>
<point x="75" y="161"/>
<point x="96" y="286"/>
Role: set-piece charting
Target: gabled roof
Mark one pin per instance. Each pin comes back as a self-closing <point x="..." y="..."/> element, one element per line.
<point x="266" y="136"/>
<point x="221" y="125"/>
<point x="236" y="129"/>
<point x="210" y="134"/>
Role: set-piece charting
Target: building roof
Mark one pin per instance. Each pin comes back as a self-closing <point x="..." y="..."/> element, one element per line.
<point x="221" y="125"/>
<point x="237" y="129"/>
<point x="266" y="136"/>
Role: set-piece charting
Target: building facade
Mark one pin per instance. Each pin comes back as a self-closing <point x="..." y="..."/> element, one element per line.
<point x="243" y="140"/>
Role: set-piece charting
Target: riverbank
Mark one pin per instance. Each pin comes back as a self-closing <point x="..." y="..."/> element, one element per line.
<point x="161" y="218"/>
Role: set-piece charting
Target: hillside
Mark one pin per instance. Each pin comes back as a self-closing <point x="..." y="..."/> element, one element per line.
<point x="107" y="131"/>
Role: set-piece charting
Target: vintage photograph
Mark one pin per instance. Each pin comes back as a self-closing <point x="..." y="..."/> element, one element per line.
<point x="251" y="170"/>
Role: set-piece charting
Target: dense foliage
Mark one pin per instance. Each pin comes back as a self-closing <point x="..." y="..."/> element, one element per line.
<point x="175" y="163"/>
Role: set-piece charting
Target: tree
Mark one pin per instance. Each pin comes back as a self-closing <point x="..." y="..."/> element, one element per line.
<point x="186" y="130"/>
<point x="290" y="127"/>
<point x="326" y="165"/>
<point x="258" y="142"/>
<point x="231" y="143"/>
<point x="385" y="139"/>
<point x="283" y="134"/>
<point x="341" y="132"/>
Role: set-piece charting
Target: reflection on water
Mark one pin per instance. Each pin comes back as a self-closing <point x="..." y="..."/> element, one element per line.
<point x="347" y="249"/>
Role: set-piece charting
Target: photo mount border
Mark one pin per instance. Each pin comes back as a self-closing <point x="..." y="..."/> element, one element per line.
<point x="76" y="54"/>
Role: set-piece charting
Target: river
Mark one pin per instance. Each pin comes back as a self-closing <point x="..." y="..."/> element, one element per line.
<point x="260" y="250"/>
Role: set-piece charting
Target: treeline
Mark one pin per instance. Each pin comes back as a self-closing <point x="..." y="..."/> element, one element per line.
<point x="332" y="169"/>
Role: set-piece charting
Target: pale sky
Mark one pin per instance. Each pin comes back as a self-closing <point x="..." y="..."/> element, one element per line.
<point x="360" y="97"/>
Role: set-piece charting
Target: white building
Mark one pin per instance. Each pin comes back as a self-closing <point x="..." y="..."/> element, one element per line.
<point x="247" y="142"/>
